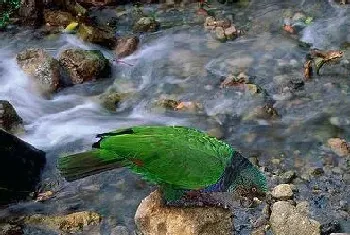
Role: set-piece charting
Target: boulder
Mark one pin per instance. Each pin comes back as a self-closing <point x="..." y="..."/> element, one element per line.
<point x="58" y="18"/>
<point x="126" y="46"/>
<point x="71" y="223"/>
<point x="40" y="66"/>
<point x="154" y="218"/>
<point x="103" y="36"/>
<point x="20" y="168"/>
<point x="287" y="220"/>
<point x="31" y="12"/>
<point x="145" y="24"/>
<point x="84" y="65"/>
<point x="220" y="34"/>
<point x="9" y="229"/>
<point x="9" y="119"/>
<point x="339" y="146"/>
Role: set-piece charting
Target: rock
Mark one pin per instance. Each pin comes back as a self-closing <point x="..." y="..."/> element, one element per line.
<point x="20" y="168"/>
<point x="98" y="35"/>
<point x="119" y="230"/>
<point x="40" y="66"/>
<point x="282" y="192"/>
<point x="209" y="22"/>
<point x="223" y="23"/>
<point x="168" y="103"/>
<point x="231" y="32"/>
<point x="287" y="177"/>
<point x="110" y="101"/>
<point x="58" y="18"/>
<point x="339" y="146"/>
<point x="331" y="227"/>
<point x="99" y="2"/>
<point x="189" y="106"/>
<point x="286" y="220"/>
<point x="126" y="46"/>
<point x="9" y="119"/>
<point x="145" y="24"/>
<point x="70" y="223"/>
<point x="84" y="65"/>
<point x="9" y="229"/>
<point x="31" y="12"/>
<point x="220" y="34"/>
<point x="152" y="217"/>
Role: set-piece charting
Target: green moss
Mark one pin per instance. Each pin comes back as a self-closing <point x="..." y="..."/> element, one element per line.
<point x="7" y="7"/>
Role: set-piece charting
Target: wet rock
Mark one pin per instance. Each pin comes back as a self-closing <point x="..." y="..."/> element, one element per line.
<point x="339" y="146"/>
<point x="331" y="227"/>
<point x="145" y="24"/>
<point x="189" y="106"/>
<point x="58" y="18"/>
<point x="20" y="168"/>
<point x="286" y="220"/>
<point x="70" y="223"/>
<point x="220" y="34"/>
<point x="282" y="192"/>
<point x="287" y="177"/>
<point x="103" y="36"/>
<point x="231" y="33"/>
<point x="98" y="2"/>
<point x="9" y="119"/>
<point x="168" y="103"/>
<point x="152" y="217"/>
<point x="110" y="101"/>
<point x="40" y="66"/>
<point x="120" y="230"/>
<point x="209" y="23"/>
<point x="31" y="12"/>
<point x="216" y="132"/>
<point x="84" y="65"/>
<point x="126" y="46"/>
<point x="9" y="229"/>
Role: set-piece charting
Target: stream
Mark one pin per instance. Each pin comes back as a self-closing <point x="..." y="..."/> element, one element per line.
<point x="184" y="62"/>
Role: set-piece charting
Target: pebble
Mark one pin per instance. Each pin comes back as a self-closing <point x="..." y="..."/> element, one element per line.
<point x="282" y="192"/>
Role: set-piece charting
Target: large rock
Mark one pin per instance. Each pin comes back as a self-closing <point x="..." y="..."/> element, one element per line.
<point x="339" y="146"/>
<point x="98" y="35"/>
<point x="20" y="168"/>
<point x="126" y="46"/>
<point x="282" y="192"/>
<point x="9" y="119"/>
<point x="71" y="223"/>
<point x="153" y="218"/>
<point x="286" y="219"/>
<point x="58" y="18"/>
<point x="145" y="24"/>
<point x="31" y="12"/>
<point x="84" y="65"/>
<point x="40" y="66"/>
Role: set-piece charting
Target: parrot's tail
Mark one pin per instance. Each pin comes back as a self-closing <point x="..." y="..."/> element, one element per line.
<point x="88" y="163"/>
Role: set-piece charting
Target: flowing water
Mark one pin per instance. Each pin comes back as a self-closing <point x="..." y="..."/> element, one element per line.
<point x="184" y="62"/>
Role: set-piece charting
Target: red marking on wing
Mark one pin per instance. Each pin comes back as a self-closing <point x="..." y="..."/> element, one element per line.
<point x="137" y="162"/>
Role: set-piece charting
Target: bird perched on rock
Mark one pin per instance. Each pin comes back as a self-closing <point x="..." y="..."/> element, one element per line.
<point x="182" y="161"/>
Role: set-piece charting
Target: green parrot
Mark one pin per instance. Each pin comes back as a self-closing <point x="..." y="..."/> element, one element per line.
<point x="181" y="160"/>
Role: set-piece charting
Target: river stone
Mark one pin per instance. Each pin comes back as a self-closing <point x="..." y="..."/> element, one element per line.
<point x="31" y="12"/>
<point x="70" y="223"/>
<point x="9" y="119"/>
<point x="84" y="65"/>
<point x="339" y="146"/>
<point x="145" y="24"/>
<point x="103" y="36"/>
<point x="282" y="192"/>
<point x="126" y="46"/>
<point x="220" y="34"/>
<point x="58" y="18"/>
<point x="9" y="229"/>
<point x="153" y="218"/>
<point x="40" y="66"/>
<point x="286" y="220"/>
<point x="20" y="168"/>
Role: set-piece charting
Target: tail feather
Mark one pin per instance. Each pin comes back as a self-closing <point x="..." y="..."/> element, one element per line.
<point x="80" y="165"/>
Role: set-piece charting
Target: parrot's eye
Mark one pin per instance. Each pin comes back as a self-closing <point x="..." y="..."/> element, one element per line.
<point x="253" y="189"/>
